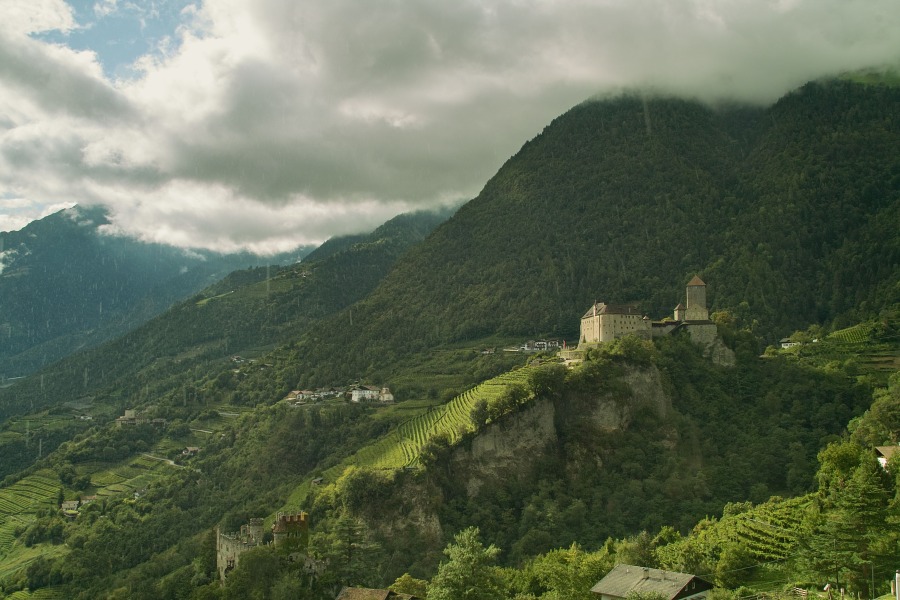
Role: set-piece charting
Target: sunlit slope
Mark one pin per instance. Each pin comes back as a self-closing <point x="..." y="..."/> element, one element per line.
<point x="402" y="447"/>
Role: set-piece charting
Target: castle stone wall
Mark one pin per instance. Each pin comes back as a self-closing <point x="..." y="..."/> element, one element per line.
<point x="229" y="548"/>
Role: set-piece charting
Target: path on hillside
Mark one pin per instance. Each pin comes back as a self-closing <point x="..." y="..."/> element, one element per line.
<point x="168" y="461"/>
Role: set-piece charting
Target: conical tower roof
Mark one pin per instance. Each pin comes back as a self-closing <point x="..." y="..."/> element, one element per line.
<point x="696" y="281"/>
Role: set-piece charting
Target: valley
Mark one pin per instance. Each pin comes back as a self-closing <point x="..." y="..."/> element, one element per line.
<point x="639" y="449"/>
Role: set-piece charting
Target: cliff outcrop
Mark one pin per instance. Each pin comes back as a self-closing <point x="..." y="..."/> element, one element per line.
<point x="561" y="435"/>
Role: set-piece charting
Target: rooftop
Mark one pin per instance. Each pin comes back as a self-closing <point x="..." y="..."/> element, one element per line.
<point x="625" y="579"/>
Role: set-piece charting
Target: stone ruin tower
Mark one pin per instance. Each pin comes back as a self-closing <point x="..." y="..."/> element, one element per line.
<point x="290" y="531"/>
<point x="230" y="546"/>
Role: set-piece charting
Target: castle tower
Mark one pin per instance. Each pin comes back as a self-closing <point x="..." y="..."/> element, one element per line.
<point x="256" y="530"/>
<point x="291" y="531"/>
<point x="679" y="312"/>
<point x="696" y="301"/>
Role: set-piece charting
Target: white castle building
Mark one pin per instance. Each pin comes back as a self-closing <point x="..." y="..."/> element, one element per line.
<point x="607" y="322"/>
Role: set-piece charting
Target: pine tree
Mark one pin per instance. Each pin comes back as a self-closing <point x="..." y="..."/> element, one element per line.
<point x="848" y="537"/>
<point x="468" y="574"/>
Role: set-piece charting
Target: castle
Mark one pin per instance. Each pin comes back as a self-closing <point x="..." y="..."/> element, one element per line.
<point x="607" y="322"/>
<point x="290" y="533"/>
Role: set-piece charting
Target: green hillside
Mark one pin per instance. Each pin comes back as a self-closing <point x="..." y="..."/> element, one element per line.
<point x="254" y="308"/>
<point x="789" y="213"/>
<point x="186" y="353"/>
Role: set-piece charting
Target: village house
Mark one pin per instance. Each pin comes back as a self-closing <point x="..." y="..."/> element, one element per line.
<point x="624" y="580"/>
<point x="539" y="345"/>
<point x="132" y="417"/>
<point x="69" y="508"/>
<point x="364" y="393"/>
<point x="884" y="454"/>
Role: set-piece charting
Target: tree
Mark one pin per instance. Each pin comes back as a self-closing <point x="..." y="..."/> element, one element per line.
<point x="407" y="584"/>
<point x="255" y="572"/>
<point x="852" y="534"/>
<point x="569" y="574"/>
<point x="469" y="572"/>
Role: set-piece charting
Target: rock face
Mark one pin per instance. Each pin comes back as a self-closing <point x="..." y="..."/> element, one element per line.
<point x="504" y="446"/>
<point x="511" y="446"/>
<point x="567" y="429"/>
<point x="646" y="389"/>
<point x="720" y="354"/>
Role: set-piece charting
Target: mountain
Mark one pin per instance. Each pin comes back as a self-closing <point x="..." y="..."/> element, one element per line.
<point x="65" y="285"/>
<point x="789" y="213"/>
<point x="250" y="310"/>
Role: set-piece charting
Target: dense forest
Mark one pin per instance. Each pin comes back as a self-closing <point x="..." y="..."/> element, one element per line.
<point x="789" y="213"/>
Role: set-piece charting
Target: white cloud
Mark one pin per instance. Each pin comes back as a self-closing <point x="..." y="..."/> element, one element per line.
<point x="35" y="16"/>
<point x="268" y="123"/>
<point x="16" y="213"/>
<point x="104" y="8"/>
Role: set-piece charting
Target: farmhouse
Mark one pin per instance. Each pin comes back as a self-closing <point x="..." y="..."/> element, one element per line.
<point x="364" y="393"/>
<point x="627" y="579"/>
<point x="885" y="453"/>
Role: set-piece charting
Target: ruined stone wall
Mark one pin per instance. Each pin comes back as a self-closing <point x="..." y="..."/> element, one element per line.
<point x="229" y="548"/>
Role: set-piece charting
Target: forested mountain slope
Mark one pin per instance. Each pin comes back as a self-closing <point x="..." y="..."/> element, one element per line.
<point x="789" y="213"/>
<point x="250" y="310"/>
<point x="65" y="285"/>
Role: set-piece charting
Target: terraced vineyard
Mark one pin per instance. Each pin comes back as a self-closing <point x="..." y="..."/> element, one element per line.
<point x="769" y="532"/>
<point x="129" y="477"/>
<point x="402" y="447"/>
<point x="20" y="501"/>
<point x="853" y="335"/>
<point x="29" y="494"/>
<point x="48" y="593"/>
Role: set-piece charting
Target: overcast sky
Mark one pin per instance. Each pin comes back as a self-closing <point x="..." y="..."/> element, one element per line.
<point x="265" y="124"/>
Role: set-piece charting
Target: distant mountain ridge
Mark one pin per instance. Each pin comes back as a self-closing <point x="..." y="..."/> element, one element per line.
<point x="65" y="285"/>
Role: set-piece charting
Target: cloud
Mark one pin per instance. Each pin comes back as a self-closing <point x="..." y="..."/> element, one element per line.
<point x="263" y="124"/>
<point x="16" y="213"/>
<point x="35" y="16"/>
<point x="104" y="8"/>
